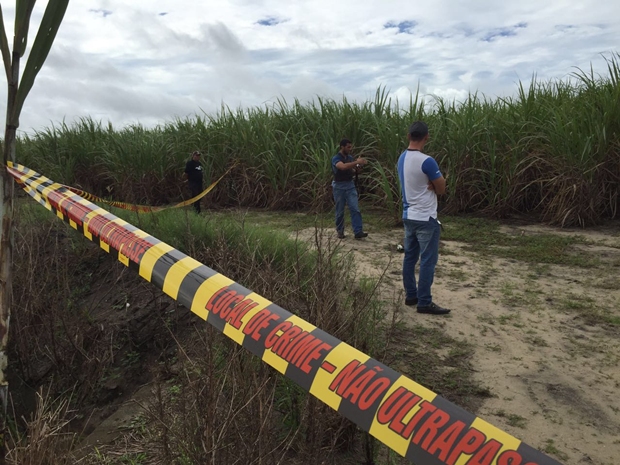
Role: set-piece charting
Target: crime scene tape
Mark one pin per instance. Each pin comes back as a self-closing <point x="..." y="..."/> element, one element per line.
<point x="407" y="417"/>
<point x="145" y="208"/>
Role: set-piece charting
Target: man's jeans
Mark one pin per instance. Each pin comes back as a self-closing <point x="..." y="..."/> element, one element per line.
<point x="345" y="192"/>
<point x="195" y="189"/>
<point x="421" y="240"/>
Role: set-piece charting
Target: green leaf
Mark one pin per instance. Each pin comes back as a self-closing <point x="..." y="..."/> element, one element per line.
<point x="4" y="45"/>
<point x="50" y="23"/>
<point x="23" y="10"/>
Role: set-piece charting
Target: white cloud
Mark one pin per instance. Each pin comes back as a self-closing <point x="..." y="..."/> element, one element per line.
<point x="149" y="61"/>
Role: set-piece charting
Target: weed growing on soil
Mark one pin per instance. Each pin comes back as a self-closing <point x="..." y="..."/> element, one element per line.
<point x="512" y="419"/>
<point x="550" y="448"/>
<point x="46" y="437"/>
<point x="484" y="236"/>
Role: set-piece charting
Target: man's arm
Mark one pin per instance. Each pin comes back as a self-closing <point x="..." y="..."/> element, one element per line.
<point x="436" y="181"/>
<point x="351" y="165"/>
<point x="438" y="185"/>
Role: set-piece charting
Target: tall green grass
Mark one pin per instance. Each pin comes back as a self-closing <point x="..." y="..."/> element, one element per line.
<point x="552" y="150"/>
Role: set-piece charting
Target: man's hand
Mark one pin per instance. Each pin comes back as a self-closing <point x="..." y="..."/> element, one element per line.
<point x="438" y="185"/>
<point x="352" y="165"/>
<point x="359" y="164"/>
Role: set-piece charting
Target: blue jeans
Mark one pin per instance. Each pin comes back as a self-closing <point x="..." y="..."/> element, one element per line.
<point x="421" y="241"/>
<point x="346" y="193"/>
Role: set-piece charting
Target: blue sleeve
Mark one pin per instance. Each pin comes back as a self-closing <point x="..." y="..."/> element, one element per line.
<point x="431" y="169"/>
<point x="335" y="160"/>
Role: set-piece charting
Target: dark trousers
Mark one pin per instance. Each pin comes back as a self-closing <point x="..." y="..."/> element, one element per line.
<point x="195" y="189"/>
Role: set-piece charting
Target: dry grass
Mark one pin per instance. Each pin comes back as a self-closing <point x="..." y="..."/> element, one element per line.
<point x="211" y="401"/>
<point x="46" y="438"/>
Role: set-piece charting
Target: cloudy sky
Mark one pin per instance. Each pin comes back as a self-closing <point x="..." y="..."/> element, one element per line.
<point x="151" y="61"/>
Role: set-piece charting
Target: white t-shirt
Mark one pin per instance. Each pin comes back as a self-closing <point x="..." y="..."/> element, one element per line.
<point x="415" y="171"/>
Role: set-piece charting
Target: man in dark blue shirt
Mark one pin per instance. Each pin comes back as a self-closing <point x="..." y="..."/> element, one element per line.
<point x="193" y="175"/>
<point x="344" y="166"/>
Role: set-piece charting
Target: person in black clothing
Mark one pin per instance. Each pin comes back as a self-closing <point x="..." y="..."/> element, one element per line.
<point x="193" y="175"/>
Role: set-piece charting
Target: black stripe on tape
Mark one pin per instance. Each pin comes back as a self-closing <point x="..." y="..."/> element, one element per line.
<point x="191" y="283"/>
<point x="163" y="265"/>
<point x="45" y="184"/>
<point x="32" y="177"/>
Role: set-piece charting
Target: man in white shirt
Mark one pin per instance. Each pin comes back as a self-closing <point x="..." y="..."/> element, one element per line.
<point x="421" y="181"/>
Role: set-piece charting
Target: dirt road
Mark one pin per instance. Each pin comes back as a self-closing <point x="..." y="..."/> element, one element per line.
<point x="547" y="338"/>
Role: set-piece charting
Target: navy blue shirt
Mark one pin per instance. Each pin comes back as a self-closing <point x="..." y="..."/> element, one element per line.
<point x="342" y="175"/>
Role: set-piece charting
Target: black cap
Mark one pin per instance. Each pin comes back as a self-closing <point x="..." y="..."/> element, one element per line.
<point x="418" y="129"/>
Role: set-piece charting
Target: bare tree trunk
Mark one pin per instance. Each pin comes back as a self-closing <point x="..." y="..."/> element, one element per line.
<point x="6" y="248"/>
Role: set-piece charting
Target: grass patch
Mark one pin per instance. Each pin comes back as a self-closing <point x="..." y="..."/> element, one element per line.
<point x="606" y="281"/>
<point x="439" y="362"/>
<point x="292" y="221"/>
<point x="576" y="302"/>
<point x="456" y="275"/>
<point x="508" y="319"/>
<point x="536" y="341"/>
<point x="493" y="347"/>
<point x="588" y="310"/>
<point x="512" y="418"/>
<point x="285" y="221"/>
<point x="483" y="236"/>
<point x="550" y="448"/>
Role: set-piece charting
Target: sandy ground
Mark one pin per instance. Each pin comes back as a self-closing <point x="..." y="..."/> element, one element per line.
<point x="555" y="379"/>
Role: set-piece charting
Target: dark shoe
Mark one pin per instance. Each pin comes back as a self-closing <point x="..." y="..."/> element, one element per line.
<point x="341" y="235"/>
<point x="433" y="309"/>
<point x="411" y="302"/>
<point x="361" y="235"/>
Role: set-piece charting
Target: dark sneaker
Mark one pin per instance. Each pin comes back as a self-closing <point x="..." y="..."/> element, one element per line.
<point x="433" y="309"/>
<point x="411" y="302"/>
<point x="361" y="235"/>
<point x="341" y="235"/>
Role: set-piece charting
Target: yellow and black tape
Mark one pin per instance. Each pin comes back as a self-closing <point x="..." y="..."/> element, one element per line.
<point x="145" y="208"/>
<point x="410" y="419"/>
